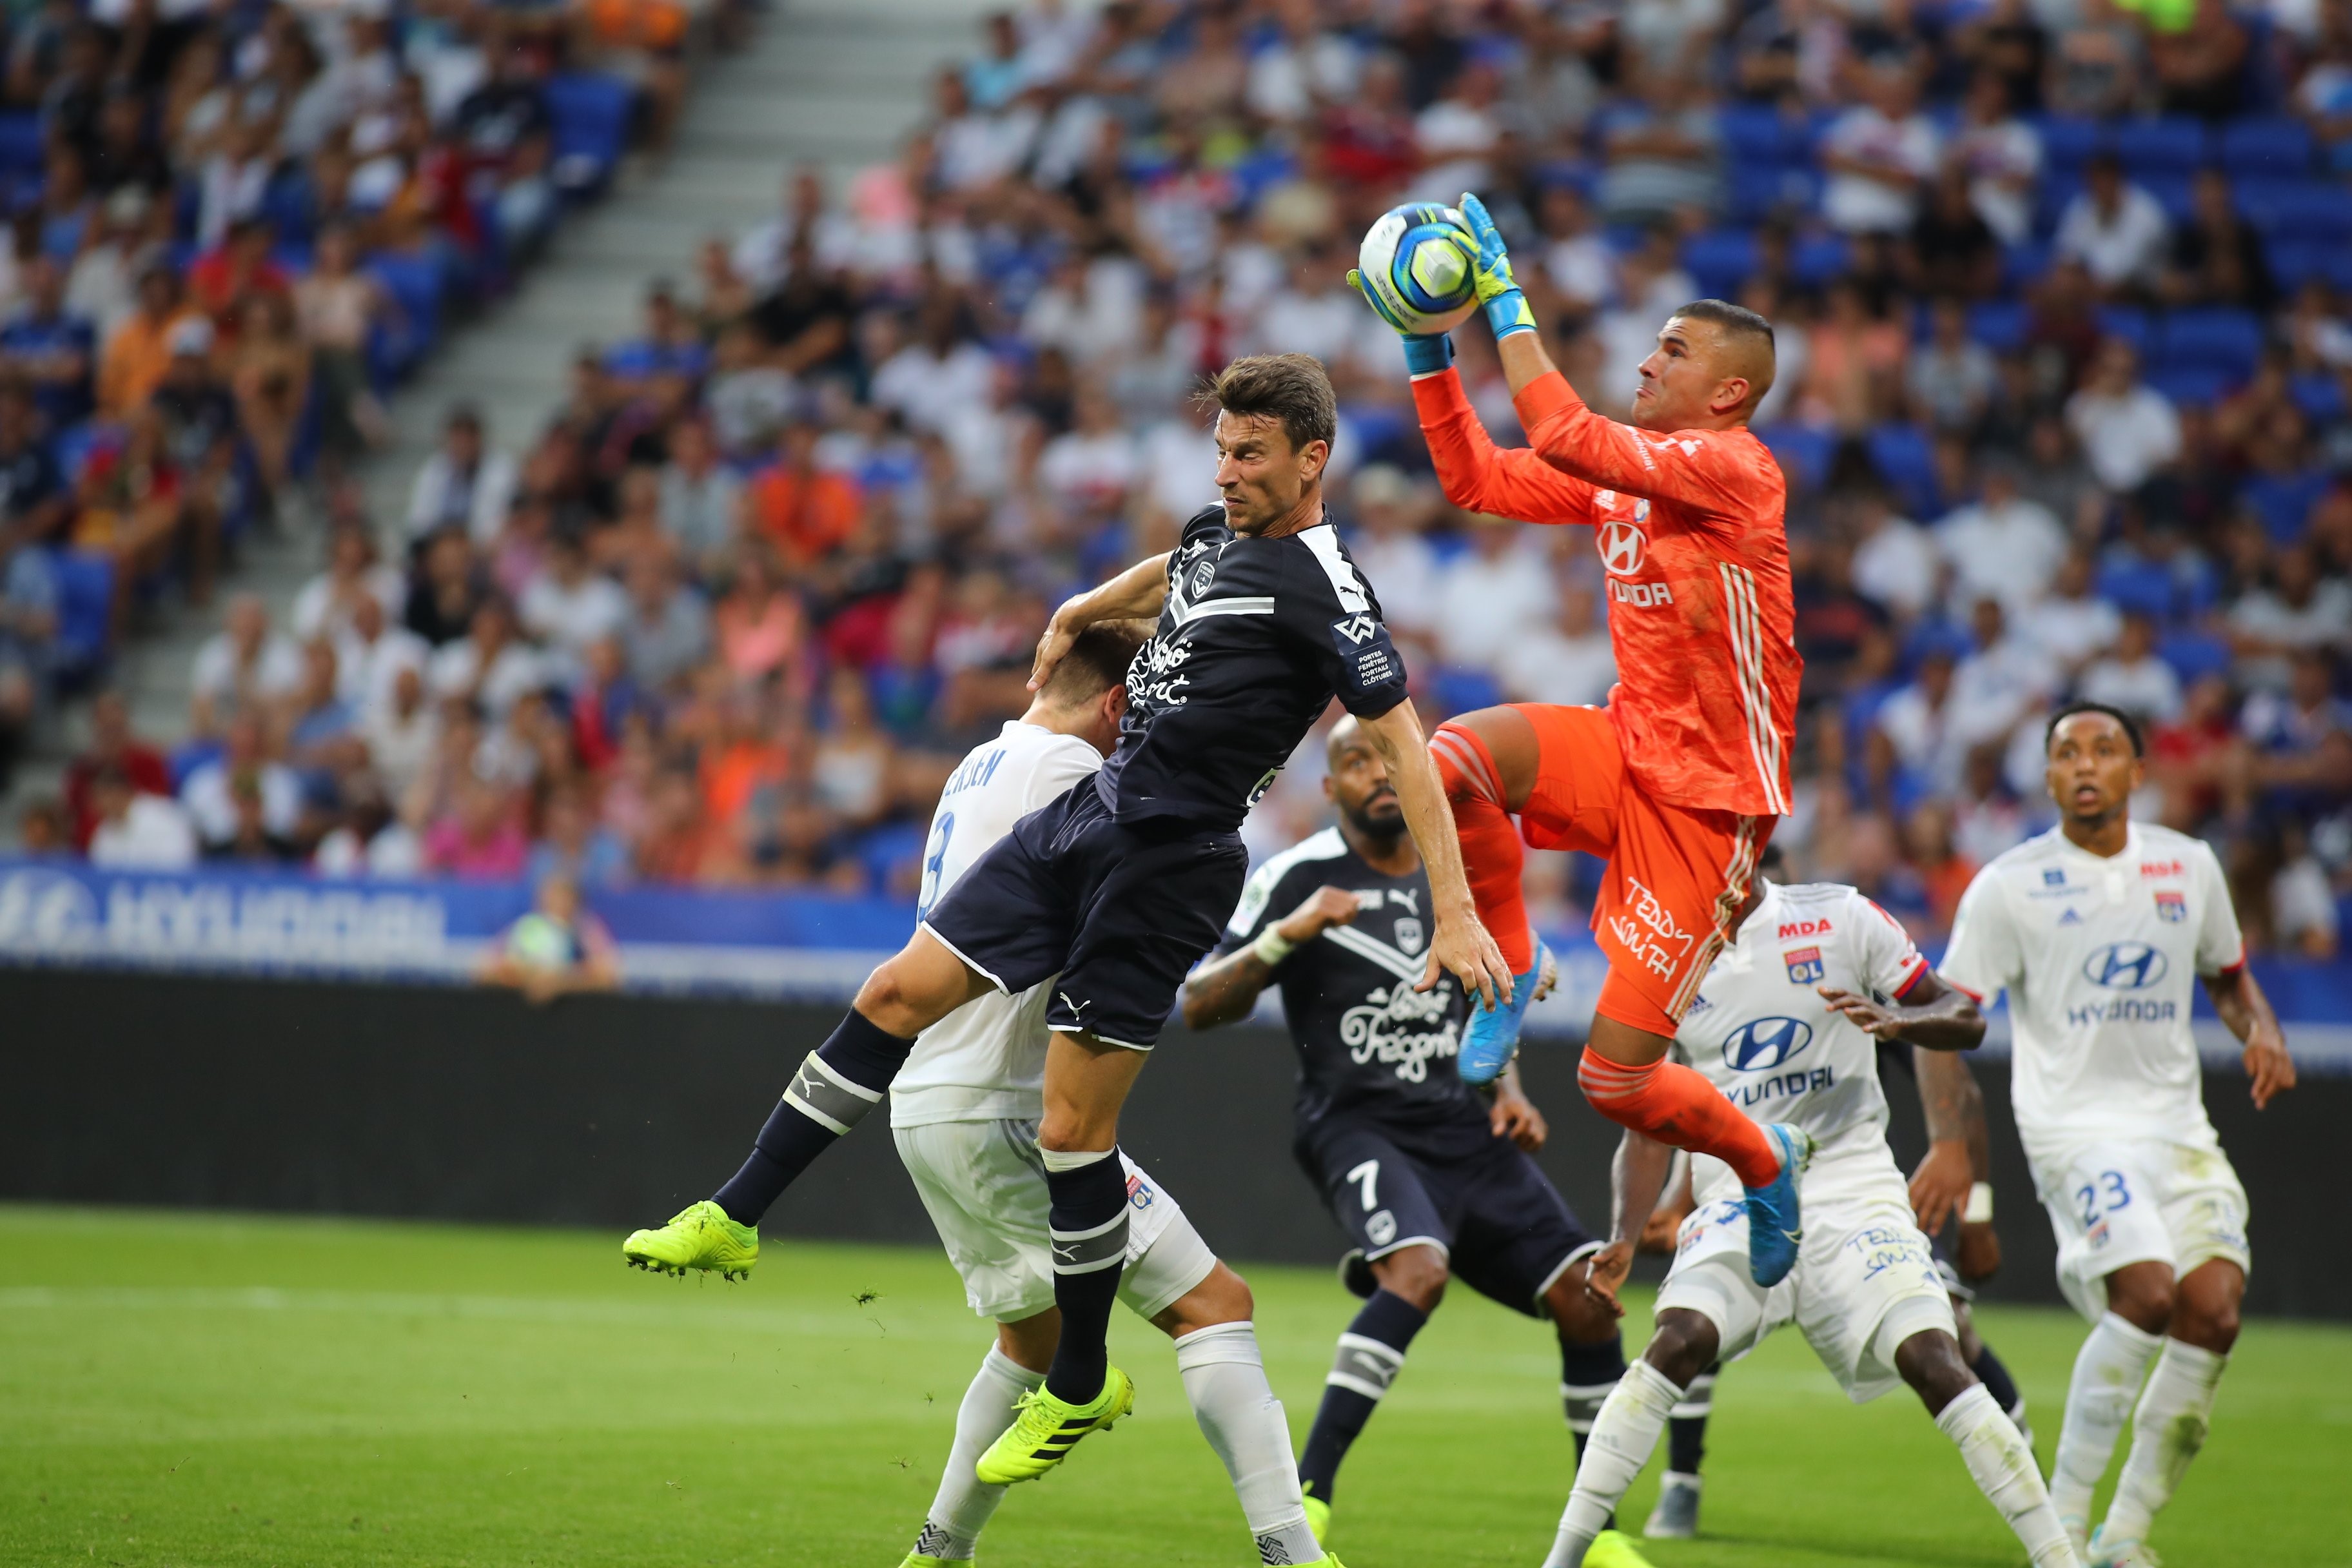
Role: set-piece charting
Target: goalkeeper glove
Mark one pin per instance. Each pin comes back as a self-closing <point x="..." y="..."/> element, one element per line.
<point x="1507" y="305"/>
<point x="1426" y="353"/>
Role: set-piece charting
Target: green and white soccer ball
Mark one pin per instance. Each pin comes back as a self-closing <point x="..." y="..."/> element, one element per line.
<point x="1416" y="262"/>
<point x="538" y="942"/>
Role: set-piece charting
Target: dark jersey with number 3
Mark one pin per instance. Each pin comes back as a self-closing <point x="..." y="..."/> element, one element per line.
<point x="1257" y="636"/>
<point x="1370" y="1048"/>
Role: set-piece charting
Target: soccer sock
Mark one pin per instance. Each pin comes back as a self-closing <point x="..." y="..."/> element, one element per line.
<point x="2002" y="1465"/>
<point x="836" y="1085"/>
<point x="1686" y="1431"/>
<point x="1085" y="1224"/>
<point x="1588" y="1375"/>
<point x="1224" y="1377"/>
<point x="2107" y="1373"/>
<point x="2166" y="1431"/>
<point x="2002" y="1387"/>
<point x="1492" y="856"/>
<point x="1622" y="1435"/>
<point x="1370" y="1354"/>
<point x="964" y="1500"/>
<point x="1670" y="1103"/>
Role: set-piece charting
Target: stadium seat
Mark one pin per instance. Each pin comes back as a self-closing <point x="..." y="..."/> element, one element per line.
<point x="188" y="757"/>
<point x="85" y="615"/>
<point x="2296" y="262"/>
<point x="2067" y="142"/>
<point x="2191" y="386"/>
<point x="2193" y="655"/>
<point x="2223" y="340"/>
<point x="1721" y="260"/>
<point x="2283" y="502"/>
<point x="1759" y="133"/>
<point x="2138" y="587"/>
<point x="1999" y="324"/>
<point x="591" y="111"/>
<point x="2128" y="323"/>
<point x="1457" y="688"/>
<point x="2164" y="145"/>
<point x="1905" y="459"/>
<point x="2277" y="146"/>
<point x="1818" y="259"/>
<point x="2175" y="192"/>
<point x="20" y="145"/>
<point x="2291" y="210"/>
<point x="2024" y="263"/>
<point x="1804" y="452"/>
<point x="2321" y="398"/>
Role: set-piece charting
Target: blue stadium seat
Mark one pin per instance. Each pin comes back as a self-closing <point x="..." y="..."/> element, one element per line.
<point x="1759" y="133"/>
<point x="2128" y="323"/>
<point x="1759" y="191"/>
<point x="2321" y="398"/>
<point x="20" y="144"/>
<point x="2276" y="146"/>
<point x="1721" y="259"/>
<point x="591" y="111"/>
<point x="2191" y="386"/>
<point x="85" y="615"/>
<point x="2283" y="502"/>
<point x="2166" y="144"/>
<point x="1905" y="459"/>
<point x="2193" y="654"/>
<point x="2067" y="142"/>
<point x="1999" y="324"/>
<point x="1817" y="259"/>
<point x="2289" y="209"/>
<point x="2136" y="587"/>
<point x="417" y="282"/>
<point x="2175" y="192"/>
<point x="1455" y="688"/>
<point x="1804" y="452"/>
<point x="2222" y="339"/>
<point x="2295" y="262"/>
<point x="2024" y="263"/>
<point x="188" y="756"/>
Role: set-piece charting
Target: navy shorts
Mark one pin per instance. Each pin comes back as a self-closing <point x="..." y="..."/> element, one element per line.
<point x="1504" y="1229"/>
<point x="1122" y="913"/>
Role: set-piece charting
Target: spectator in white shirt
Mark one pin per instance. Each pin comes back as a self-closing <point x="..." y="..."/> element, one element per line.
<point x="210" y="793"/>
<point x="568" y="604"/>
<point x="2002" y="156"/>
<point x="138" y="832"/>
<point x="1569" y="662"/>
<point x="1895" y="562"/>
<point x="1390" y="549"/>
<point x="1912" y="732"/>
<point x="931" y="381"/>
<point x="1093" y="464"/>
<point x="2297" y="611"/>
<point x="1877" y="153"/>
<point x="2127" y="428"/>
<point x="1457" y="132"/>
<point x="1491" y="596"/>
<point x="2072" y="625"/>
<point x="243" y="662"/>
<point x="490" y="665"/>
<point x="701" y="498"/>
<point x="2001" y="545"/>
<point x="371" y="653"/>
<point x="1577" y="262"/>
<point x="401" y="732"/>
<point x="2004" y="679"/>
<point x="1951" y="377"/>
<point x="2133" y="678"/>
<point x="2114" y="228"/>
<point x="355" y="571"/>
<point x="465" y="486"/>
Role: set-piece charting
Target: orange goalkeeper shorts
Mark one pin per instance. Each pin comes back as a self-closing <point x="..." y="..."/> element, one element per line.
<point x="1677" y="875"/>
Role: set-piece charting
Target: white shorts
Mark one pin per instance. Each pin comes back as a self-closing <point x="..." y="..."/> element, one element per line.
<point x="984" y="1185"/>
<point x="2122" y="1201"/>
<point x="1866" y="1280"/>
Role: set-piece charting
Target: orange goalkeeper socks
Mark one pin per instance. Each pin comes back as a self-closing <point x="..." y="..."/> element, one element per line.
<point x="1673" y="1104"/>
<point x="1491" y="853"/>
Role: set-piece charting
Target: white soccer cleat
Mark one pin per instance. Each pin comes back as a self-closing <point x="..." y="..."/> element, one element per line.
<point x="2104" y="1553"/>
<point x="1676" y="1517"/>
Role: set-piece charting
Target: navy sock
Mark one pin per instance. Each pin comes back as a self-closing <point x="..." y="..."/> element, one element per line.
<point x="1999" y="1384"/>
<point x="1370" y="1354"/>
<point x="1086" y="1221"/>
<point x="1686" y="1427"/>
<point x="836" y="1085"/>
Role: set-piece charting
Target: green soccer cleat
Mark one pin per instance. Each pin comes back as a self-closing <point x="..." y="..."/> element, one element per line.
<point x="699" y="1235"/>
<point x="1047" y="1428"/>
<point x="1613" y="1549"/>
<point x="1319" y="1518"/>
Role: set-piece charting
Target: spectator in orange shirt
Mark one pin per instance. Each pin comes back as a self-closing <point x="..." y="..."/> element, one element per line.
<point x="135" y="358"/>
<point x="743" y="758"/>
<point x="806" y="509"/>
<point x="1944" y="872"/>
<point x="232" y="271"/>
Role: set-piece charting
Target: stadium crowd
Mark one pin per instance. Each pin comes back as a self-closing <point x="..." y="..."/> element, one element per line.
<point x="2063" y="293"/>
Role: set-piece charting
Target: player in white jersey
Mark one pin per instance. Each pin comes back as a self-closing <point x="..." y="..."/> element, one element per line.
<point x="1787" y="1025"/>
<point x="2099" y="930"/>
<point x="964" y="1111"/>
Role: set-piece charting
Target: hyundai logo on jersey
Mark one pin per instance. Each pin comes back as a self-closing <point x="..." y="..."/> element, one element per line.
<point x="1804" y="965"/>
<point x="2125" y="966"/>
<point x="1762" y="1044"/>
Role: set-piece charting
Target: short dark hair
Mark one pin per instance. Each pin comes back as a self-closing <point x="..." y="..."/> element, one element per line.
<point x="1097" y="661"/>
<point x="2130" y="725"/>
<point x="1293" y="388"/>
<point x="1731" y="317"/>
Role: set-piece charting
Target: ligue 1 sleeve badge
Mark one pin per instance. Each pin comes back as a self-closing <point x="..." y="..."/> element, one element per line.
<point x="1804" y="965"/>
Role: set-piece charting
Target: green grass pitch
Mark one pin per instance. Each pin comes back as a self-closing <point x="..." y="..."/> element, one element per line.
<point x="192" y="1390"/>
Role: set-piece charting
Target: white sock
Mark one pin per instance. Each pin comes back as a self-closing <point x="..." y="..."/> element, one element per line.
<point x="1224" y="1377"/>
<point x="2166" y="1431"/>
<point x="2107" y="1373"/>
<point x="964" y="1500"/>
<point x="1997" y="1456"/>
<point x="1622" y="1435"/>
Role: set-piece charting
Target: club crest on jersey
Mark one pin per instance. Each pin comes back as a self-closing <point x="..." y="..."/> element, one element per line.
<point x="1139" y="1192"/>
<point x="1203" y="574"/>
<point x="1804" y="965"/>
<point x="2172" y="907"/>
<point x="1408" y="933"/>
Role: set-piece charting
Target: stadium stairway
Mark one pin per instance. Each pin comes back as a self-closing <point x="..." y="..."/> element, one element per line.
<point x="838" y="82"/>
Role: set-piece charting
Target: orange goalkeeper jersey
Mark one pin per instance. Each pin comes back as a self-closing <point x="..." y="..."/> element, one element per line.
<point x="1701" y="616"/>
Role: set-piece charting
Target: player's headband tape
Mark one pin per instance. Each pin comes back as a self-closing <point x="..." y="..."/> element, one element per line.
<point x="826" y="1098"/>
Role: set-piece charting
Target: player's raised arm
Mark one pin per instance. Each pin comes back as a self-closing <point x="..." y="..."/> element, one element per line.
<point x="1461" y="943"/>
<point x="1223" y="990"/>
<point x="1139" y="592"/>
<point x="1713" y="365"/>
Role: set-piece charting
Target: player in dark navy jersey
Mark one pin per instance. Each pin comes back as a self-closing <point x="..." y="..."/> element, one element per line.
<point x="1114" y="891"/>
<point x="1427" y="1176"/>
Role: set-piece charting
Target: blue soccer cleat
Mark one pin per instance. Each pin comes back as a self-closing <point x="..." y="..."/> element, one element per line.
<point x="1493" y="1035"/>
<point x="1775" y="1226"/>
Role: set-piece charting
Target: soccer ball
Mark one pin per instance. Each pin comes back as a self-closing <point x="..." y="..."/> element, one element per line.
<point x="1416" y="262"/>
